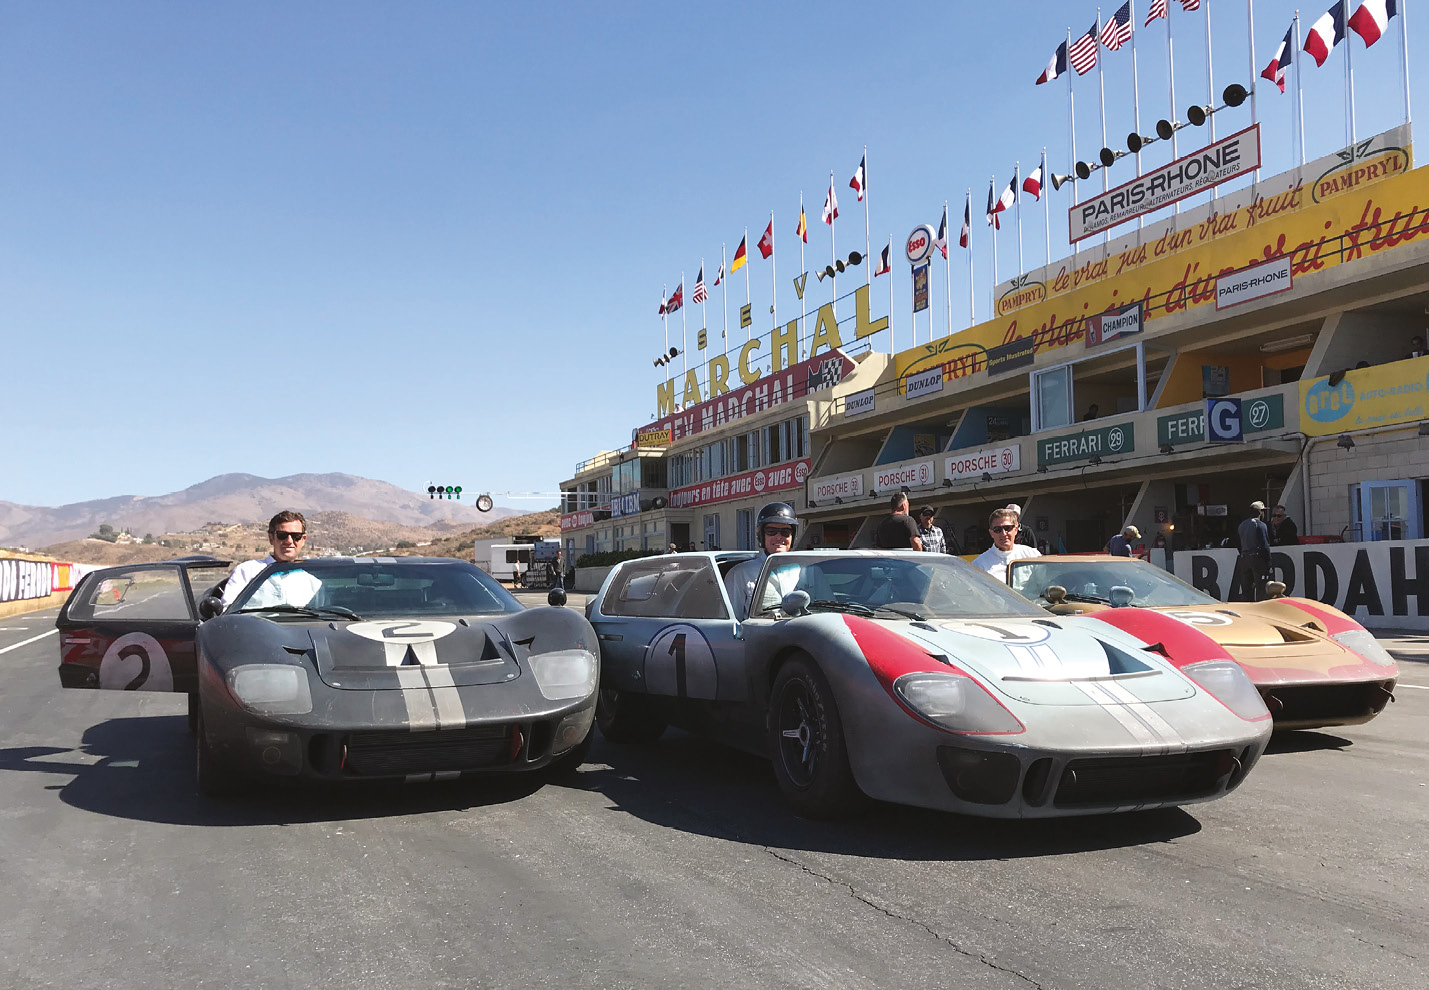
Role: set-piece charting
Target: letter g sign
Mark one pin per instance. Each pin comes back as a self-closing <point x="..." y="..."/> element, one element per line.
<point x="1223" y="421"/>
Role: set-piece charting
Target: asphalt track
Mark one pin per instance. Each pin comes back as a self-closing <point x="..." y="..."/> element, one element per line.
<point x="677" y="866"/>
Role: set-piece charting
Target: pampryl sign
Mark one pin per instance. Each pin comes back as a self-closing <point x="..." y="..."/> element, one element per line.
<point x="1383" y="583"/>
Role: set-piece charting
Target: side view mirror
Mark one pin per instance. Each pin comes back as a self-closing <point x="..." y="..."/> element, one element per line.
<point x="1055" y="594"/>
<point x="795" y="603"/>
<point x="556" y="597"/>
<point x="1275" y="589"/>
<point x="1121" y="595"/>
<point x="210" y="607"/>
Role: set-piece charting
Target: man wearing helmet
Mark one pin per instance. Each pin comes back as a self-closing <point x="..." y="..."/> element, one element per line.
<point x="775" y="528"/>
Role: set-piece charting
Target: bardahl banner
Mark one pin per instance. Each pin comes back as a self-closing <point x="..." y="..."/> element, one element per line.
<point x="1380" y="584"/>
<point x="1177" y="271"/>
<point x="1220" y="162"/>
<point x="1350" y="170"/>
<point x="821" y="372"/>
<point x="1381" y="395"/>
<point x="746" y="485"/>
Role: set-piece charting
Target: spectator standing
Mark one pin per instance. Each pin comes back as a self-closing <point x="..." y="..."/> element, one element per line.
<point x="1003" y="525"/>
<point x="1120" y="544"/>
<point x="929" y="534"/>
<point x="898" y="531"/>
<point x="1252" y="564"/>
<point x="1024" y="536"/>
<point x="1283" y="531"/>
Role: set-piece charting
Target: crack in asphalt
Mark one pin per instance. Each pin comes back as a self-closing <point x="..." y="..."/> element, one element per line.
<point x="864" y="899"/>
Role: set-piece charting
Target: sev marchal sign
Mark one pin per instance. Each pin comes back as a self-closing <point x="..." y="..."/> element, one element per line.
<point x="1219" y="162"/>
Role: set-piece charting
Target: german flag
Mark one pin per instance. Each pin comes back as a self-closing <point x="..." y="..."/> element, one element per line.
<point x="739" y="256"/>
<point x="803" y="229"/>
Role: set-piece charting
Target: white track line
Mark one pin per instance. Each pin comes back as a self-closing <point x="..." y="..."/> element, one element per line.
<point x="1416" y="687"/>
<point x="27" y="642"/>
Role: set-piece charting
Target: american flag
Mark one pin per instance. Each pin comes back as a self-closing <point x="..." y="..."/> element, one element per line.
<point x="1084" y="51"/>
<point x="700" y="295"/>
<point x="1190" y="4"/>
<point x="1157" y="9"/>
<point x="1117" y="31"/>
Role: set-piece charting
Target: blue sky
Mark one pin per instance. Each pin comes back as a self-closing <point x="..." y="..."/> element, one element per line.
<point x="426" y="242"/>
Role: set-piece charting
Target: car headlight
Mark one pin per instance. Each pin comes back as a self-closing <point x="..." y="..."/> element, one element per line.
<point x="1228" y="683"/>
<point x="956" y="702"/>
<point x="273" y="689"/>
<point x="564" y="673"/>
<point x="1362" y="641"/>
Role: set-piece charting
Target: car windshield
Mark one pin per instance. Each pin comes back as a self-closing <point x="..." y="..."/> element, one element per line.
<point x="1129" y="582"/>
<point x="375" y="589"/>
<point x="915" y="586"/>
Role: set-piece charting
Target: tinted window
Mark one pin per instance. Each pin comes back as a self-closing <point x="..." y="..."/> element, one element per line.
<point x="1091" y="580"/>
<point x="672" y="586"/>
<point x="382" y="589"/>
<point x="138" y="594"/>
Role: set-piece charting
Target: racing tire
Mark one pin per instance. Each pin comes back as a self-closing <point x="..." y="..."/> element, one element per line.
<point x="214" y="779"/>
<point x="806" y="744"/>
<point x="624" y="717"/>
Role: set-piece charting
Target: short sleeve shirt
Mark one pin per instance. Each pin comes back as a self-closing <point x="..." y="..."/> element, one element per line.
<point x="895" y="533"/>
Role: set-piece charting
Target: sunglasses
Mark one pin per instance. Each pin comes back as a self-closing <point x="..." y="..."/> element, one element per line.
<point x="1003" y="529"/>
<point x="778" y="531"/>
<point x="282" y="537"/>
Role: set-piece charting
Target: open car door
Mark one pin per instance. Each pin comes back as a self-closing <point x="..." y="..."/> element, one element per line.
<point x="131" y="628"/>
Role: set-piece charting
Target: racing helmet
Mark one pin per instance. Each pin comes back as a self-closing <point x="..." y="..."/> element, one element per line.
<point x="776" y="512"/>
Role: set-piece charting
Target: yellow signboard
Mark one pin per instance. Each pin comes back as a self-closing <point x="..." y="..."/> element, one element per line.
<point x="654" y="438"/>
<point x="1382" y="395"/>
<point x="1178" y="271"/>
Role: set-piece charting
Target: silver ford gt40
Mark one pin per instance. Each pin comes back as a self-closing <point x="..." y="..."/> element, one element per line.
<point x="918" y="679"/>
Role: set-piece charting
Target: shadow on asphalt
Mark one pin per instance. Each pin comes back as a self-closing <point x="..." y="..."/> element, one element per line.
<point x="142" y="769"/>
<point x="1305" y="741"/>
<point x="693" y="785"/>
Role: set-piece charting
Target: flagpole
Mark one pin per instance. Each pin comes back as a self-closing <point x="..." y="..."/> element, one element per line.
<point x="704" y="304"/>
<point x="891" y="346"/>
<point x="1136" y="98"/>
<point x="1404" y="50"/>
<point x="684" y="332"/>
<point x="1046" y="209"/>
<point x="1210" y="84"/>
<point x="665" y="317"/>
<point x="773" y="287"/>
<point x="972" y="294"/>
<point x="833" y="252"/>
<point x="803" y="305"/>
<point x="992" y="295"/>
<point x="1299" y="92"/>
<point x="1250" y="59"/>
<point x="1072" y="129"/>
<point x="867" y="244"/>
<point x="724" y="284"/>
<point x="1101" y="86"/>
<point x="1017" y="198"/>
<point x="947" y="272"/>
<point x="1349" y="71"/>
<point x="1171" y="83"/>
<point x="749" y="330"/>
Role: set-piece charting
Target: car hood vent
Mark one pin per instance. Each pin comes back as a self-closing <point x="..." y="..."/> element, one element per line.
<point x="359" y="657"/>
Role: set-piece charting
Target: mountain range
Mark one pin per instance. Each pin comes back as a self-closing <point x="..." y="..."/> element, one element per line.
<point x="236" y="498"/>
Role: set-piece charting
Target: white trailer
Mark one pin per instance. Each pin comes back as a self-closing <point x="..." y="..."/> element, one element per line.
<point x="506" y="558"/>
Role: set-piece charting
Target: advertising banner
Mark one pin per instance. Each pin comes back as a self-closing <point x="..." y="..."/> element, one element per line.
<point x="1358" y="204"/>
<point x="625" y="505"/>
<point x="654" y="438"/>
<point x="1258" y="415"/>
<point x="859" y="403"/>
<point x="1109" y="326"/>
<point x="923" y="383"/>
<point x="750" y="483"/>
<point x="989" y="460"/>
<point x="1380" y="584"/>
<point x="577" y="520"/>
<point x="1011" y="355"/>
<point x="836" y="486"/>
<point x="1381" y="395"/>
<point x="1227" y="158"/>
<point x="21" y="579"/>
<point x="1084" y="444"/>
<point x="920" y="288"/>
<point x="1255" y="282"/>
<point x="919" y="474"/>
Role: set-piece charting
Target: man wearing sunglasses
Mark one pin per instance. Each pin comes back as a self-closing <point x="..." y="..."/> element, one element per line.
<point x="1003" y="525"/>
<point x="287" y="535"/>
<point x="775" y="528"/>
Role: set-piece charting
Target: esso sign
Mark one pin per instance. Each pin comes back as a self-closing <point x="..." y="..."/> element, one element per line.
<point x="920" y="244"/>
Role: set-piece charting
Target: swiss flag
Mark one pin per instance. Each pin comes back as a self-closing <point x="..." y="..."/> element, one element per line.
<point x="1326" y="33"/>
<point x="1371" y="20"/>
<point x="766" y="243"/>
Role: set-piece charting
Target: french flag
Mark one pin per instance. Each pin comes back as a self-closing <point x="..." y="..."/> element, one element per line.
<point x="1326" y="33"/>
<point x="1056" y="67"/>
<point x="1371" y="20"/>
<point x="1280" y="61"/>
<point x="1032" y="185"/>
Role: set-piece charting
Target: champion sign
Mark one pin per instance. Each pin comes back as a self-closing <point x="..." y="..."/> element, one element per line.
<point x="770" y="479"/>
<point x="989" y="460"/>
<point x="1229" y="157"/>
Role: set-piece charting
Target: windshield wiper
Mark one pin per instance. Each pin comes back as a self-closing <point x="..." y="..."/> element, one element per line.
<point x="1073" y="596"/>
<point x="907" y="613"/>
<point x="311" y="611"/>
<point x="853" y="608"/>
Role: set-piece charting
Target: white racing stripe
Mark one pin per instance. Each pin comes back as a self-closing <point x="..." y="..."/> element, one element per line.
<point x="27" y="642"/>
<point x="418" y="698"/>
<point x="1172" y="739"/>
<point x="450" y="713"/>
<point x="1134" y="727"/>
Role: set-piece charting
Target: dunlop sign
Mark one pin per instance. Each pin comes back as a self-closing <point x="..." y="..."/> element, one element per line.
<point x="859" y="403"/>
<point x="1105" y="442"/>
<point x="1186" y="176"/>
<point x="924" y="383"/>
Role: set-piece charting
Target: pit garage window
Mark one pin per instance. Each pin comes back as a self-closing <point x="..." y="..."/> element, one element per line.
<point x="671" y="586"/>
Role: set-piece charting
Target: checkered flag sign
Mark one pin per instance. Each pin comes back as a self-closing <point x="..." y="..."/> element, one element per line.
<point x="830" y="372"/>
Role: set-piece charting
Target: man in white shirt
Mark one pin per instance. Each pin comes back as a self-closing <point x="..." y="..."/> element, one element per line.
<point x="774" y="528"/>
<point x="287" y="533"/>
<point x="1003" y="525"/>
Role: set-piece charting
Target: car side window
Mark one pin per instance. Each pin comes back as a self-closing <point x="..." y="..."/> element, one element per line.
<point x="668" y="587"/>
<point x="129" y="595"/>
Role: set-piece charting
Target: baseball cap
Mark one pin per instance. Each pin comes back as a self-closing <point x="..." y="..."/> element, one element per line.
<point x="1014" y="507"/>
<point x="927" y="510"/>
<point x="1258" y="505"/>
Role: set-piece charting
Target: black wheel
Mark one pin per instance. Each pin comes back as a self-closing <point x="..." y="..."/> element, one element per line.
<point x="193" y="712"/>
<point x="214" y="780"/>
<point x="627" y="718"/>
<point x="806" y="743"/>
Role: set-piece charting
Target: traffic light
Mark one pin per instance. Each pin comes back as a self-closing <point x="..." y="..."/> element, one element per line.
<point x="444" y="491"/>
